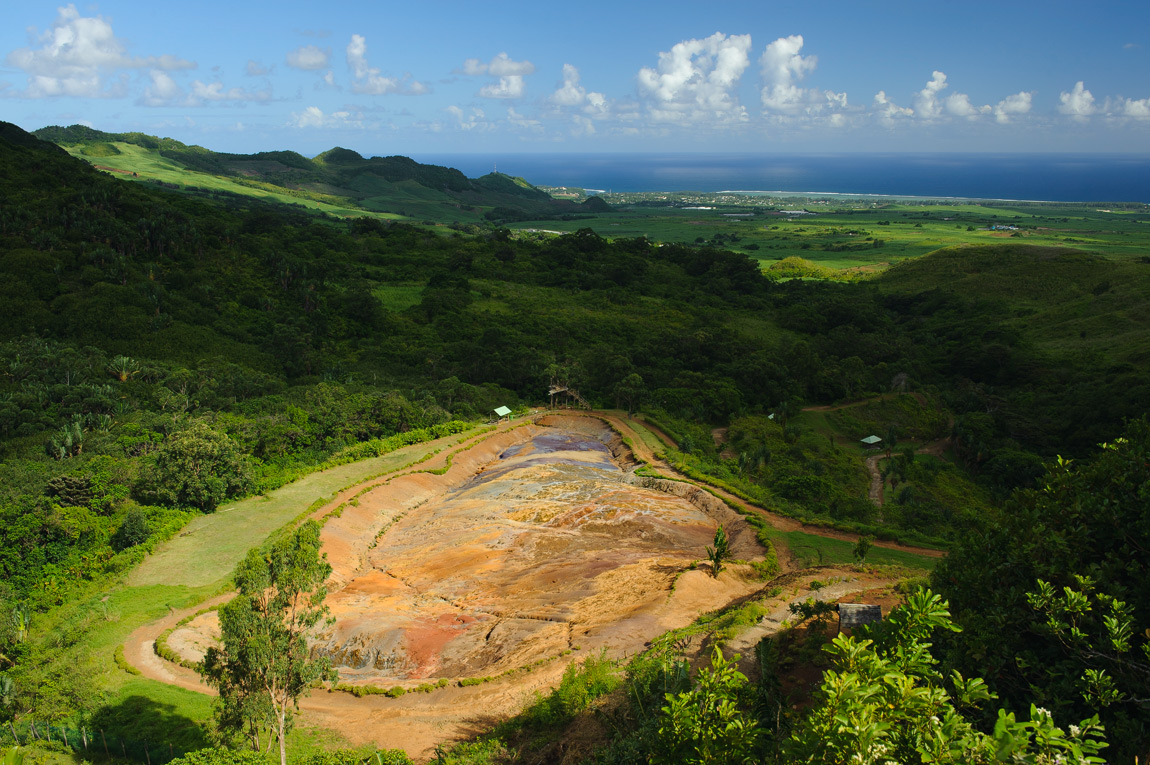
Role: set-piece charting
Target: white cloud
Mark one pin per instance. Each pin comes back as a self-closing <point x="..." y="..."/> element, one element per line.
<point x="313" y="117"/>
<point x="162" y="91"/>
<point x="503" y="66"/>
<point x="926" y="103"/>
<point x="256" y="69"/>
<point x="782" y="66"/>
<point x="511" y="86"/>
<point x="370" y="81"/>
<point x="696" y="80"/>
<point x="889" y="113"/>
<point x="79" y="55"/>
<point x="573" y="95"/>
<point x="475" y="120"/>
<point x="215" y="92"/>
<point x="510" y="73"/>
<point x="309" y="58"/>
<point x="570" y="93"/>
<point x="1139" y="109"/>
<point x="518" y="120"/>
<point x="1078" y="103"/>
<point x="959" y="105"/>
<point x="929" y="104"/>
<point x="1012" y="106"/>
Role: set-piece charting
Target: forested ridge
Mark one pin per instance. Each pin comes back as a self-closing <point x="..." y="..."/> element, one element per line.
<point x="146" y="331"/>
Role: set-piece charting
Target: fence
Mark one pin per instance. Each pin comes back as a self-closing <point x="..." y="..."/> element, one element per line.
<point x="93" y="742"/>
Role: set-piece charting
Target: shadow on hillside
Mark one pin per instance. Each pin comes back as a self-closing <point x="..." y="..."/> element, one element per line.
<point x="144" y="729"/>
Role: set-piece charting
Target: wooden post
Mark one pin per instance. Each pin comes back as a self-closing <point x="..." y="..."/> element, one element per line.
<point x="48" y="728"/>
<point x="12" y="725"/>
<point x="64" y="733"/>
<point x="32" y="730"/>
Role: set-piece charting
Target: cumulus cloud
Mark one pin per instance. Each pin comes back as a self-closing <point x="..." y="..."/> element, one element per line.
<point x="518" y="120"/>
<point x="929" y="104"/>
<point x="370" y="81"/>
<point x="889" y="113"/>
<point x="1013" y="106"/>
<point x="782" y="66"/>
<point x="256" y="69"/>
<point x="573" y="95"/>
<point x="926" y="103"/>
<point x="313" y="117"/>
<point x="81" y="56"/>
<point x="510" y="74"/>
<point x="1078" y="103"/>
<point x="1139" y="110"/>
<point x="473" y="120"/>
<point x="162" y="90"/>
<point x="696" y="80"/>
<point x="511" y="86"/>
<point x="309" y="58"/>
<point x="959" y="105"/>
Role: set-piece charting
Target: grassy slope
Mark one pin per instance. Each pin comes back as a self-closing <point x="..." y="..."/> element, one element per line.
<point x="1066" y="301"/>
<point x="151" y="166"/>
<point x="189" y="569"/>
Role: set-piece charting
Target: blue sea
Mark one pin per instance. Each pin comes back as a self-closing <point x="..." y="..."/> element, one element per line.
<point x="1037" y="177"/>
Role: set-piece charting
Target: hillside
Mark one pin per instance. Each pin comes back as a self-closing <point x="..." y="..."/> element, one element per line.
<point x="167" y="355"/>
<point x="339" y="180"/>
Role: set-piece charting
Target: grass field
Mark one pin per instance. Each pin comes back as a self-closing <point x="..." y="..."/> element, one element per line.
<point x="810" y="550"/>
<point x="184" y="572"/>
<point x="842" y="234"/>
<point x="139" y="164"/>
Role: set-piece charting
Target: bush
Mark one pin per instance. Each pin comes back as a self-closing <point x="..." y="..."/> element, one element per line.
<point x="198" y="467"/>
<point x="133" y="531"/>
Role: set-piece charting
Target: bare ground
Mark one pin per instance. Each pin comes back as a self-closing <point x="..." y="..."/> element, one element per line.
<point x="668" y="597"/>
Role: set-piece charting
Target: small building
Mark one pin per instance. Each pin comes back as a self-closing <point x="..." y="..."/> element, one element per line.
<point x="503" y="412"/>
<point x="871" y="442"/>
<point x="853" y="615"/>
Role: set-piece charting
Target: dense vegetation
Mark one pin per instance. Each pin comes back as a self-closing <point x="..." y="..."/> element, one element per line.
<point x="164" y="353"/>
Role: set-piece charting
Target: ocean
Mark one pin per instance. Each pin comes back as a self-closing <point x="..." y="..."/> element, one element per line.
<point x="1033" y="177"/>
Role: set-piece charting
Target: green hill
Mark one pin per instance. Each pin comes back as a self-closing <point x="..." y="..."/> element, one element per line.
<point x="338" y="181"/>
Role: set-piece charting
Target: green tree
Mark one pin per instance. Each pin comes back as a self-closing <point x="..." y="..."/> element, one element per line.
<point x="720" y="552"/>
<point x="862" y="548"/>
<point x="133" y="531"/>
<point x="198" y="467"/>
<point x="262" y="666"/>
<point x="630" y="390"/>
<point x="1085" y="518"/>
<point x="884" y="700"/>
<point x="705" y="725"/>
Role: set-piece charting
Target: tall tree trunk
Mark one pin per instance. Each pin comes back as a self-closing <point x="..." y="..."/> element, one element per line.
<point x="282" y="737"/>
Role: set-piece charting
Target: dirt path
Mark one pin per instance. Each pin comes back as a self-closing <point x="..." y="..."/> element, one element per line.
<point x="874" y="493"/>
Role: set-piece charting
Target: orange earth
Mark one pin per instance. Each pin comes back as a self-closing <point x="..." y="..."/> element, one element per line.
<point x="538" y="545"/>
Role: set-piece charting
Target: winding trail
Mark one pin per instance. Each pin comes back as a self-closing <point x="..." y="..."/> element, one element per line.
<point x="421" y="721"/>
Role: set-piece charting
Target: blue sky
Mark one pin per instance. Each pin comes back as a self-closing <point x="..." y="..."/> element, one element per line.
<point x="588" y="76"/>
